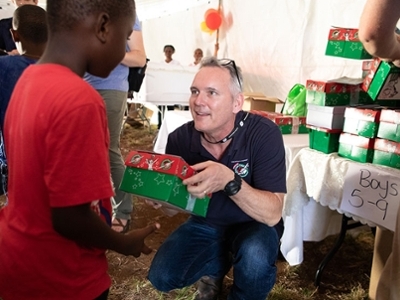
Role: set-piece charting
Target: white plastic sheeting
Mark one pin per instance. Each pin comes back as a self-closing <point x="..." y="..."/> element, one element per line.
<point x="277" y="43"/>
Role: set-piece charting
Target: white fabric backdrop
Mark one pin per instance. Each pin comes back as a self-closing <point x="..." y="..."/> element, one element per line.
<point x="277" y="43"/>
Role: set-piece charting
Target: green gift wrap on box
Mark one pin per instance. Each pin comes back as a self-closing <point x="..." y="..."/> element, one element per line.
<point x="361" y="121"/>
<point x="382" y="82"/>
<point x="159" y="177"/>
<point x="344" y="42"/>
<point x="355" y="147"/>
<point x="386" y="153"/>
<point x="323" y="139"/>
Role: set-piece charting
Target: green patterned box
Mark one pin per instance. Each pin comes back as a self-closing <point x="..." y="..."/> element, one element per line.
<point x="386" y="153"/>
<point x="344" y="42"/>
<point x="355" y="147"/>
<point x="382" y="81"/>
<point x="361" y="121"/>
<point x="323" y="139"/>
<point x="159" y="177"/>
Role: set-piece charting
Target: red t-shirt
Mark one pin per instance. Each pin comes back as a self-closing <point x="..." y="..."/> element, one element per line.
<point x="57" y="148"/>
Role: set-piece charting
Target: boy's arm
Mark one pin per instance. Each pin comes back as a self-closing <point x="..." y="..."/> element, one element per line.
<point x="82" y="225"/>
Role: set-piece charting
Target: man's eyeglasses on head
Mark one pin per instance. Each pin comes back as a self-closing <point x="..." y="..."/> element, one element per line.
<point x="226" y="62"/>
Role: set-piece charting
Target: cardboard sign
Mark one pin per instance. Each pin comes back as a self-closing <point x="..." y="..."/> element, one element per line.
<point x="371" y="194"/>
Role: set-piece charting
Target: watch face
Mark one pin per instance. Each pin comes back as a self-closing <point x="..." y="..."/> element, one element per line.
<point x="233" y="186"/>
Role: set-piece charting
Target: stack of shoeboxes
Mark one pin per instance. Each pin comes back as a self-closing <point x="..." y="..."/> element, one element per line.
<point x="159" y="177"/>
<point x="360" y="127"/>
<point x="387" y="143"/>
<point x="287" y="124"/>
<point x="328" y="100"/>
<point x="326" y="103"/>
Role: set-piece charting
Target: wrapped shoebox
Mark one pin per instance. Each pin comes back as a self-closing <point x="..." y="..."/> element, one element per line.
<point x="382" y="81"/>
<point x="330" y="117"/>
<point x="386" y="153"/>
<point x="356" y="147"/>
<point x="258" y="101"/>
<point x="344" y="42"/>
<point x="336" y="92"/>
<point x="159" y="177"/>
<point x="361" y="121"/>
<point x="366" y="67"/>
<point x="323" y="139"/>
<point x="389" y="125"/>
<point x="287" y="124"/>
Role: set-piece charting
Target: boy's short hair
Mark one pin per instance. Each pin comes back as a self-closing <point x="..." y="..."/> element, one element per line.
<point x="30" y="22"/>
<point x="64" y="14"/>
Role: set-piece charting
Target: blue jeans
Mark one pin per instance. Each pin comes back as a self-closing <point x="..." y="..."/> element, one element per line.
<point x="196" y="249"/>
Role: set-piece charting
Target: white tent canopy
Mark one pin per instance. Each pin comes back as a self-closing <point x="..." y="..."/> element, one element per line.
<point x="277" y="43"/>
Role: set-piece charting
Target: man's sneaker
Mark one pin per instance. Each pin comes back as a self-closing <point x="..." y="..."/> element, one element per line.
<point x="208" y="288"/>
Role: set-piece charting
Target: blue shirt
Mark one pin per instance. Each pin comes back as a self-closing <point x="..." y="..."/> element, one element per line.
<point x="256" y="153"/>
<point x="6" y="40"/>
<point x="118" y="78"/>
<point x="11" y="68"/>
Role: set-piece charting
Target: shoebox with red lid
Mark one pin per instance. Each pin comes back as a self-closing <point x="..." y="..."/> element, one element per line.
<point x="287" y="124"/>
<point x="324" y="139"/>
<point x="344" y="42"/>
<point x="382" y="81"/>
<point x="336" y="92"/>
<point x="362" y="121"/>
<point x="386" y="153"/>
<point x="329" y="117"/>
<point x="159" y="177"/>
<point x="356" y="147"/>
<point x="366" y="66"/>
<point x="389" y="125"/>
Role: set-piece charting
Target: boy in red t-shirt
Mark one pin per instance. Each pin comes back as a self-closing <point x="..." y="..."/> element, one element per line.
<point x="54" y="231"/>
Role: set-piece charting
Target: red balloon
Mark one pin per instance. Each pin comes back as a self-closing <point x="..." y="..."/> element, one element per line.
<point x="208" y="11"/>
<point x="213" y="20"/>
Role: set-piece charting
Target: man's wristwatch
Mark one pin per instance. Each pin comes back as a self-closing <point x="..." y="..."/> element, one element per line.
<point x="233" y="186"/>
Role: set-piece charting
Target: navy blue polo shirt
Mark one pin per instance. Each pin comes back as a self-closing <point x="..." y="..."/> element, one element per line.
<point x="256" y="153"/>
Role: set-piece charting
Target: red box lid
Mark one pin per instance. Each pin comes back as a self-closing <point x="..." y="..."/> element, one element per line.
<point x="334" y="86"/>
<point x="281" y="119"/>
<point x="365" y="114"/>
<point x="356" y="140"/>
<point x="163" y="163"/>
<point x="390" y="116"/>
<point x="387" y="146"/>
<point x="343" y="34"/>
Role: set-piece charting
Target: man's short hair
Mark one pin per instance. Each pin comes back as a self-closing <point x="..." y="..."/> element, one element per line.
<point x="64" y="14"/>
<point x="30" y="22"/>
<point x="225" y="63"/>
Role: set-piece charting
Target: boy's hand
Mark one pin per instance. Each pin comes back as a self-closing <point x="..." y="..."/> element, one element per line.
<point x="136" y="246"/>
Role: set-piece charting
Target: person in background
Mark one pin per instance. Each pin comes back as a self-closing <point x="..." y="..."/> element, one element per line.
<point x="114" y="91"/>
<point x="6" y="41"/>
<point x="30" y="35"/>
<point x="169" y="50"/>
<point x="198" y="55"/>
<point x="240" y="159"/>
<point x="55" y="229"/>
<point x="377" y="32"/>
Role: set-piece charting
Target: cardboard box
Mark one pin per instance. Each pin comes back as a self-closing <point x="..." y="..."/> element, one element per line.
<point x="329" y="117"/>
<point x="324" y="140"/>
<point x="366" y="67"/>
<point x="258" y="101"/>
<point x="355" y="147"/>
<point x="382" y="81"/>
<point x="344" y="42"/>
<point x="159" y="177"/>
<point x="386" y="153"/>
<point x="287" y="124"/>
<point x="336" y="92"/>
<point x="361" y="121"/>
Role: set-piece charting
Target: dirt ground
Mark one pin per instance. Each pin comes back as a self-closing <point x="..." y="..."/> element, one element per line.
<point x="345" y="277"/>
